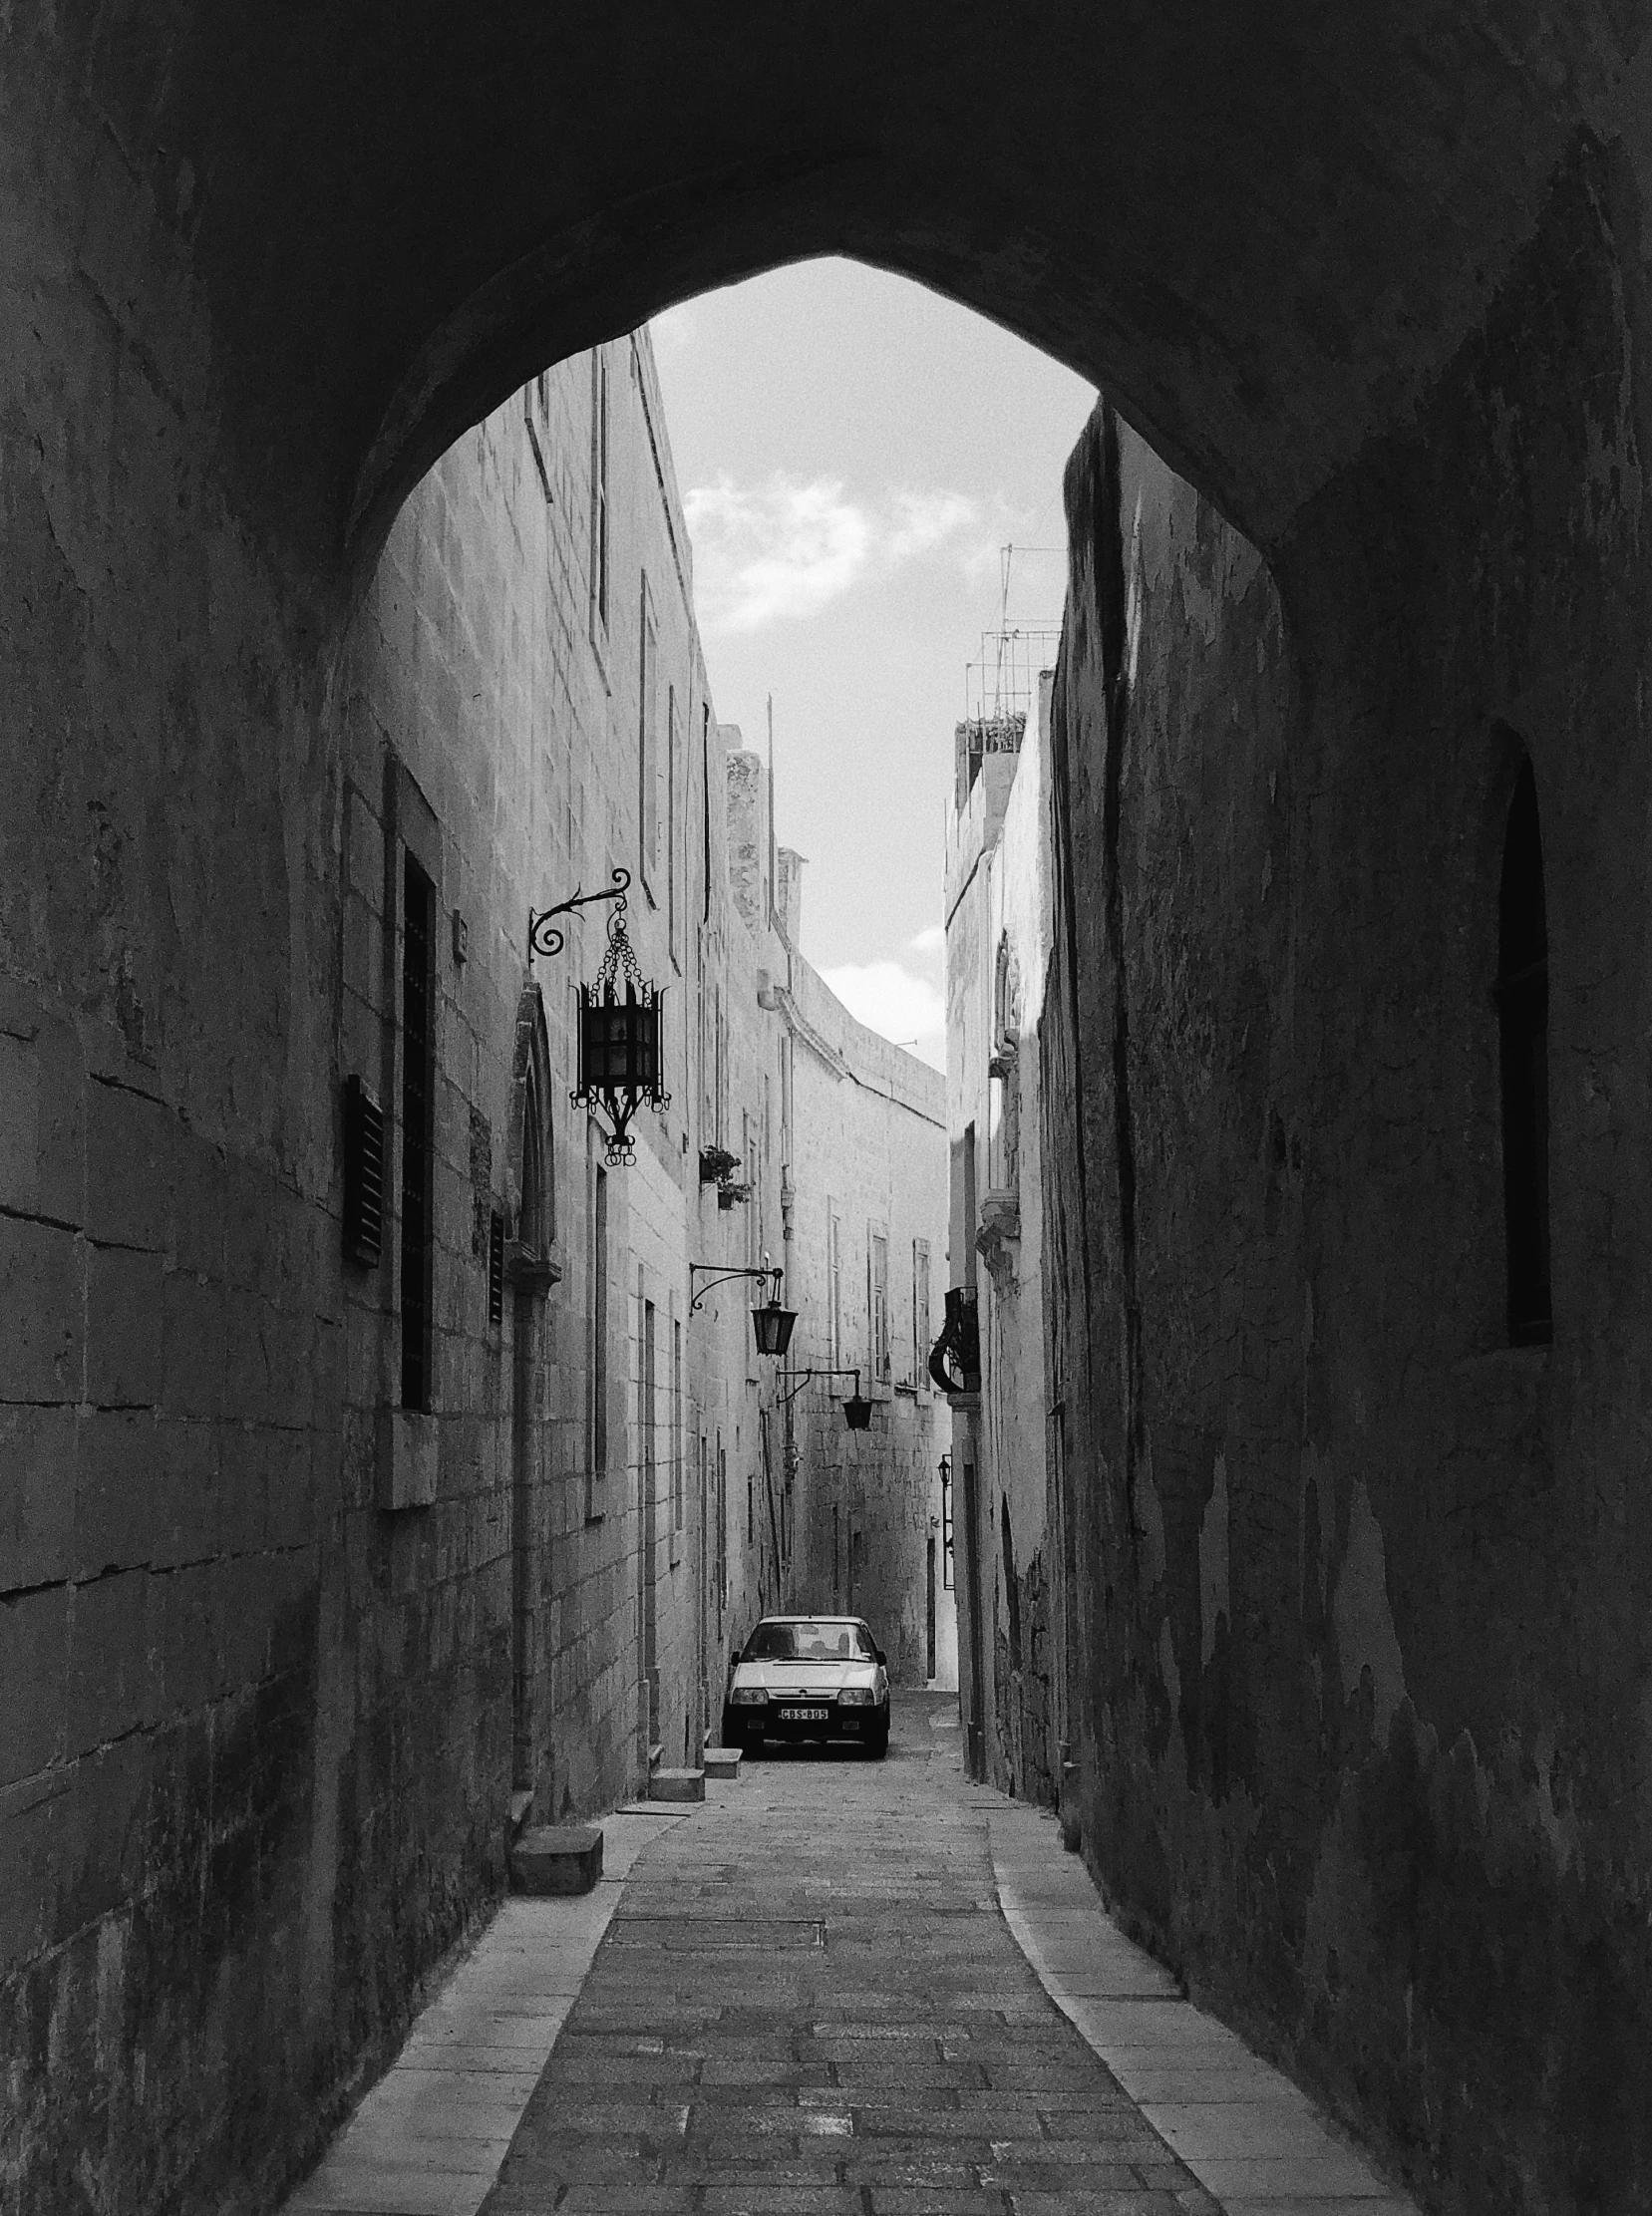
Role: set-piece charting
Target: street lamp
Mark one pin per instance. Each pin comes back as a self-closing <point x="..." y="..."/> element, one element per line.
<point x="857" y="1414"/>
<point x="619" y="1039"/>
<point x="770" y="1323"/>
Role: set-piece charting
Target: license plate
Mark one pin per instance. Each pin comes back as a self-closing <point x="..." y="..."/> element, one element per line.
<point x="803" y="1715"/>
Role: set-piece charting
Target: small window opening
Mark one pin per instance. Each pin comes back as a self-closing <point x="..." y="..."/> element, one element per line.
<point x="1012" y="1591"/>
<point x="418" y="1133"/>
<point x="1522" y="1011"/>
<point x="496" y="1271"/>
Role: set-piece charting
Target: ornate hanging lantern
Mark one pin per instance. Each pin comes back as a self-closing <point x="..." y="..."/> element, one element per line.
<point x="620" y="1061"/>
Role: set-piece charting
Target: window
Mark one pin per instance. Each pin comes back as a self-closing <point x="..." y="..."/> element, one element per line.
<point x="599" y="494"/>
<point x="752" y="1174"/>
<point x="877" y="1303"/>
<point x="1012" y="1591"/>
<point x="496" y="1270"/>
<point x="673" y="754"/>
<point x="1522" y="1013"/>
<point x="417" y="1132"/>
<point x="750" y="1509"/>
<point x="650" y="1414"/>
<point x="722" y="1531"/>
<point x="677" y="1507"/>
<point x="834" y="1283"/>
<point x="597" y="1326"/>
<point x="922" y="1336"/>
<point x="648" y="743"/>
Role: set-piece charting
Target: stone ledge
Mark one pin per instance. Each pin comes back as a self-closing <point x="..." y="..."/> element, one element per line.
<point x="722" y="1761"/>
<point x="677" y="1785"/>
<point x="556" y="1858"/>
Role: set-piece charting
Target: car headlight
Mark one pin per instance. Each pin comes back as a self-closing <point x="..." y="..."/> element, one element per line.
<point x="857" y="1696"/>
<point x="748" y="1697"/>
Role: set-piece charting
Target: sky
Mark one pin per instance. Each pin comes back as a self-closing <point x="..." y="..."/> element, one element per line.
<point x="854" y="452"/>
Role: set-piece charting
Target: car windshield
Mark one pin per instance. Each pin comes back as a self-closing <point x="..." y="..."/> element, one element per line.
<point x="810" y="1642"/>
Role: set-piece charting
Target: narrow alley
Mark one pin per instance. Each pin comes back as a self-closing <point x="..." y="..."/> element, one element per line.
<point x="835" y="1985"/>
<point x="566" y="1089"/>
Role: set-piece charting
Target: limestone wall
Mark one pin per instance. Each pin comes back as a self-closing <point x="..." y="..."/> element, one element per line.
<point x="1362" y="1620"/>
<point x="282" y="1659"/>
<point x="1008" y="1511"/>
<point x="868" y="1177"/>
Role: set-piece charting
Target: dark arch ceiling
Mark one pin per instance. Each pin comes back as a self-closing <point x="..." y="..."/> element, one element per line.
<point x="1263" y="226"/>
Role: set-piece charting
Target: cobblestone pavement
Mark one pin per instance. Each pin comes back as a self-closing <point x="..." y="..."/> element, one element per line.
<point x="809" y="2002"/>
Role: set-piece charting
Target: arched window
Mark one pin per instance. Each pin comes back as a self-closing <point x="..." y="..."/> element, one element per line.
<point x="1522" y="1008"/>
<point x="530" y="1187"/>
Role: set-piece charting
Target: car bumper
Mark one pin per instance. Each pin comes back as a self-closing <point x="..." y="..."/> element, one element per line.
<point x="773" y="1723"/>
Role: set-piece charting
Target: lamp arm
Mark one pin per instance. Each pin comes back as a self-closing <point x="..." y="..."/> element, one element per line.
<point x="542" y="935"/>
<point x="727" y="1278"/>
<point x="804" y="1376"/>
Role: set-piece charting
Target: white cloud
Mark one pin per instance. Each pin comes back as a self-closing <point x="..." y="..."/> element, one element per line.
<point x="930" y="940"/>
<point x="784" y="549"/>
<point x="892" y="1002"/>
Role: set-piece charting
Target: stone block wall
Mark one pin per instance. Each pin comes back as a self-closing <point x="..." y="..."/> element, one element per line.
<point x="263" y="1735"/>
<point x="869" y="1152"/>
<point x="1361" y="1624"/>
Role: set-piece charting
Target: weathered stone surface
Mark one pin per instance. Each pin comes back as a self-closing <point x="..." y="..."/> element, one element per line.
<point x="1360" y="1596"/>
<point x="1379" y="285"/>
<point x="813" y="2004"/>
<point x="677" y="1785"/>
<point x="556" y="1858"/>
<point x="722" y="1761"/>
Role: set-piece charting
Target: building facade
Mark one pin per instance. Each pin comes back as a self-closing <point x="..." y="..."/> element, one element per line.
<point x="413" y="1491"/>
<point x="1011" y="1505"/>
<point x="1333" y="1358"/>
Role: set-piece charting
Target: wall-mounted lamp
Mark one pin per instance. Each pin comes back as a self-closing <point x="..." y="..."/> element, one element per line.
<point x="770" y="1323"/>
<point x="619" y="1039"/>
<point x="857" y="1414"/>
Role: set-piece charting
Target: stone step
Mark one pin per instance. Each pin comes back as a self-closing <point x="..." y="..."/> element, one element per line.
<point x="677" y="1785"/>
<point x="556" y="1858"/>
<point x="722" y="1761"/>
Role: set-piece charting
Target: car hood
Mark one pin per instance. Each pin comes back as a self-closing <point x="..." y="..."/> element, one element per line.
<point x="823" y="1679"/>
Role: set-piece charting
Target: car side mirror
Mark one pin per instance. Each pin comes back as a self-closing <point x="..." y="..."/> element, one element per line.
<point x="879" y="1657"/>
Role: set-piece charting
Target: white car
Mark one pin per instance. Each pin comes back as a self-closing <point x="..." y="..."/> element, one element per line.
<point x="809" y="1678"/>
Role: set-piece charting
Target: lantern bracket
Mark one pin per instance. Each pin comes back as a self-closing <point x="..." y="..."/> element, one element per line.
<point x="797" y="1379"/>
<point x="727" y="1277"/>
<point x="542" y="935"/>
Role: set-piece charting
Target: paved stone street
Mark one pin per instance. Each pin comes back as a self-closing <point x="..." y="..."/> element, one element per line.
<point x="836" y="1985"/>
<point x="809" y="2001"/>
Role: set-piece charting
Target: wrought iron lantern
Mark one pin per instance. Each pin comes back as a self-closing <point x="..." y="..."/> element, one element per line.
<point x="773" y="1326"/>
<point x="620" y="1063"/>
<point x="857" y="1414"/>
<point x="770" y="1323"/>
<point x="620" y="1060"/>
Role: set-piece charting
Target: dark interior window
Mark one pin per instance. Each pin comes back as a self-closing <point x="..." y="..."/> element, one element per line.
<point x="417" y="1111"/>
<point x="1522" y="1006"/>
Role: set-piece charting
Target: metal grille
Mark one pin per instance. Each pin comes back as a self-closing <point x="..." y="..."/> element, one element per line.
<point x="496" y="1271"/>
<point x="363" y="1174"/>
